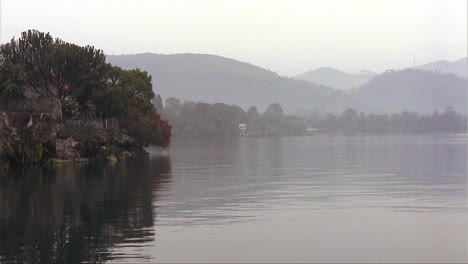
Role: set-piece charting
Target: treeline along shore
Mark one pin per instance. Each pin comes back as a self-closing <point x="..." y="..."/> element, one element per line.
<point x="64" y="102"/>
<point x="193" y="119"/>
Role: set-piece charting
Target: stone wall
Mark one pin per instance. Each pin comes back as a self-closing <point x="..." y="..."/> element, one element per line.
<point x="49" y="106"/>
<point x="32" y="132"/>
<point x="23" y="135"/>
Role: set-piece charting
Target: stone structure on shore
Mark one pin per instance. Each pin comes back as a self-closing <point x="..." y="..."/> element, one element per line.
<point x="33" y="131"/>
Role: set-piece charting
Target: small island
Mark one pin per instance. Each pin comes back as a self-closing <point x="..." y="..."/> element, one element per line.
<point x="62" y="102"/>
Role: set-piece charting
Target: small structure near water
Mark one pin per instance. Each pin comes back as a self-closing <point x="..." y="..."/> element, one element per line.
<point x="242" y="129"/>
<point x="311" y="130"/>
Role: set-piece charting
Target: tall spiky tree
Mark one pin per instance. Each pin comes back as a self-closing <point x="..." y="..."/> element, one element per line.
<point x="36" y="65"/>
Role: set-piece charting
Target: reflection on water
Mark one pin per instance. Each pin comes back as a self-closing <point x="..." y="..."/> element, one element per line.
<point x="321" y="198"/>
<point x="76" y="213"/>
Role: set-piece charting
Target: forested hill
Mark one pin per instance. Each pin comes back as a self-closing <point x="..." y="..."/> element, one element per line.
<point x="458" y="67"/>
<point x="336" y="78"/>
<point x="213" y="79"/>
<point x="414" y="90"/>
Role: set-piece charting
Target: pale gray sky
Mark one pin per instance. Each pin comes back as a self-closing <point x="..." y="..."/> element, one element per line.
<point x="288" y="37"/>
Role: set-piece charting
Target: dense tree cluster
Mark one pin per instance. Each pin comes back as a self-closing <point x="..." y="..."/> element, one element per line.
<point x="412" y="90"/>
<point x="201" y="119"/>
<point x="37" y="65"/>
<point x="405" y="122"/>
<point x="190" y="118"/>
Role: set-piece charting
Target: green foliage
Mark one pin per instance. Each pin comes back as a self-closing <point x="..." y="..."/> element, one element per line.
<point x="202" y="119"/>
<point x="404" y="122"/>
<point x="252" y="112"/>
<point x="36" y="153"/>
<point x="36" y="65"/>
<point x="58" y="161"/>
<point x="143" y="130"/>
<point x="128" y="96"/>
<point x="112" y="158"/>
<point x="174" y="105"/>
<point x="12" y="80"/>
<point x="4" y="166"/>
<point x="350" y="114"/>
<point x="274" y="111"/>
<point x="190" y="118"/>
<point x="70" y="107"/>
<point x="350" y="120"/>
<point x="32" y="131"/>
<point x="125" y="154"/>
<point x="29" y="56"/>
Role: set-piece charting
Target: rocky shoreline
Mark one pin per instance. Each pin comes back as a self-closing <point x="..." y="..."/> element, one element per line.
<point x="62" y="102"/>
<point x="37" y="138"/>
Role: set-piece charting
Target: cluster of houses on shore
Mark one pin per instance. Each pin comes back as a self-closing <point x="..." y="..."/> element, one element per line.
<point x="243" y="132"/>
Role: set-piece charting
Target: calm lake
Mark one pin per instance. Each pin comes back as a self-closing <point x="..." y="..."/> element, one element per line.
<point x="399" y="198"/>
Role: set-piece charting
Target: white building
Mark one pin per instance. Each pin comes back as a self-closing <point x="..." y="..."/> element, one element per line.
<point x="242" y="129"/>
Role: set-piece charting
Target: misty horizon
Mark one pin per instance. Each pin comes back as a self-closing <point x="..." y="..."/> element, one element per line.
<point x="233" y="131"/>
<point x="361" y="71"/>
<point x="289" y="38"/>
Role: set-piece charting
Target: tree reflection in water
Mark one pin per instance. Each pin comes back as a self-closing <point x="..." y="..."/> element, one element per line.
<point x="74" y="213"/>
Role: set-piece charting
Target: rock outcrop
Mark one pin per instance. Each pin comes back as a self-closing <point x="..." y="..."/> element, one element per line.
<point x="31" y="138"/>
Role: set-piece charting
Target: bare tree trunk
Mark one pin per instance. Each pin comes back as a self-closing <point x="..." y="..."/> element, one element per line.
<point x="60" y="110"/>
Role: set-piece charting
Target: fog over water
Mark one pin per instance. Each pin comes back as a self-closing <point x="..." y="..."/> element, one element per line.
<point x="222" y="131"/>
<point x="312" y="199"/>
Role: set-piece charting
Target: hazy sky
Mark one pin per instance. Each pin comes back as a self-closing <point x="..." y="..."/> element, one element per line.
<point x="288" y="36"/>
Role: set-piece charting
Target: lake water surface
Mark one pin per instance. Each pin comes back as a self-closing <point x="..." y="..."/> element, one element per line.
<point x="292" y="199"/>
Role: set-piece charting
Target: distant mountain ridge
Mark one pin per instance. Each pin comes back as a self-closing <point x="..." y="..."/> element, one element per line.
<point x="414" y="90"/>
<point x="212" y="79"/>
<point x="336" y="78"/>
<point x="458" y="67"/>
